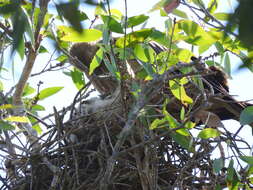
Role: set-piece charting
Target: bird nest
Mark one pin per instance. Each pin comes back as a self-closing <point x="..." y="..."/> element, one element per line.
<point x="115" y="148"/>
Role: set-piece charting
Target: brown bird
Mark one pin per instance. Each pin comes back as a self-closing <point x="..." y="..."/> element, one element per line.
<point x="81" y="57"/>
<point x="222" y="105"/>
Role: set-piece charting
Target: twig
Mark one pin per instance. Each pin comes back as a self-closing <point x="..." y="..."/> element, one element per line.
<point x="146" y="94"/>
<point x="51" y="68"/>
<point x="5" y="29"/>
<point x="85" y="87"/>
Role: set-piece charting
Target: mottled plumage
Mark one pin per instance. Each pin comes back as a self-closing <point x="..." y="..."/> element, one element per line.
<point x="223" y="105"/>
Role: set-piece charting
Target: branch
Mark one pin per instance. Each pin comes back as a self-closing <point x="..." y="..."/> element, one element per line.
<point x="5" y="29"/>
<point x="19" y="109"/>
<point x="144" y="97"/>
<point x="17" y="97"/>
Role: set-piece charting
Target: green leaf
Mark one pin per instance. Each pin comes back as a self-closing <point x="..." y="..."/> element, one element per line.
<point x="48" y="92"/>
<point x="184" y="55"/>
<point x="168" y="122"/>
<point x="247" y="159"/>
<point x="19" y="24"/>
<point x="77" y="78"/>
<point x="218" y="187"/>
<point x="204" y="47"/>
<point x="6" y="106"/>
<point x="231" y="169"/>
<point x="222" y="16"/>
<point x="8" y="8"/>
<point x="157" y="123"/>
<point x="42" y="49"/>
<point x="190" y="28"/>
<point x="66" y="73"/>
<point x="116" y="14"/>
<point x="96" y="60"/>
<point x="180" y="13"/>
<point x="28" y="90"/>
<point x="1" y="86"/>
<point x="190" y="125"/>
<point x="20" y="48"/>
<point x="184" y="141"/>
<point x="160" y="37"/>
<point x="38" y="107"/>
<point x="111" y="66"/>
<point x="246" y="116"/>
<point x="36" y="127"/>
<point x="112" y="24"/>
<point x="134" y="37"/>
<point x="227" y="64"/>
<point x="71" y="13"/>
<point x="144" y="53"/>
<point x="62" y="58"/>
<point x="243" y="15"/>
<point x="28" y="26"/>
<point x="5" y="126"/>
<point x="212" y="6"/>
<point x="218" y="164"/>
<point x="232" y="177"/>
<point x="173" y="123"/>
<point x="209" y="133"/>
<point x="219" y="47"/>
<point x="36" y="12"/>
<point x="149" y="70"/>
<point x="199" y="3"/>
<point x="100" y="10"/>
<point x="20" y="119"/>
<point x="177" y="89"/>
<point x="136" y="20"/>
<point x="182" y="113"/>
<point x="87" y="35"/>
<point x="195" y="34"/>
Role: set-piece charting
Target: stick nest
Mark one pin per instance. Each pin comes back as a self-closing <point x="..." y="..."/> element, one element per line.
<point x="82" y="148"/>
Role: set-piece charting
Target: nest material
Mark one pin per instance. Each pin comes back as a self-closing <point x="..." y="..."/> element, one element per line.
<point x="159" y="163"/>
<point x="79" y="151"/>
<point x="146" y="160"/>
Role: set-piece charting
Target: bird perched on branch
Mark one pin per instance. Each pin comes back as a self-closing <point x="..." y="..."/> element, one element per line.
<point x="223" y="105"/>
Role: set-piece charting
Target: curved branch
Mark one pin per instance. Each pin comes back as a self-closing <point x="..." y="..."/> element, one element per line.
<point x="24" y="77"/>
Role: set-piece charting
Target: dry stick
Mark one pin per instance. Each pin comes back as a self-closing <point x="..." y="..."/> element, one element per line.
<point x="17" y="97"/>
<point x="6" y="29"/>
<point x="56" y="67"/>
<point x="146" y="94"/>
<point x="85" y="87"/>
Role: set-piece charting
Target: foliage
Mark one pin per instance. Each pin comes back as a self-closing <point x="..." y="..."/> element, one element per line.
<point x="29" y="30"/>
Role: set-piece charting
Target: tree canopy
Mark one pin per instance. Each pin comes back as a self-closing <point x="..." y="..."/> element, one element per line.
<point x="157" y="122"/>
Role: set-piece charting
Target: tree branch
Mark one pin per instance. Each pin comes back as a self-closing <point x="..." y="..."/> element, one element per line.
<point x="144" y="97"/>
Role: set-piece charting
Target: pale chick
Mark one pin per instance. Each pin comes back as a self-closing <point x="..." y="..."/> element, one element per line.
<point x="101" y="108"/>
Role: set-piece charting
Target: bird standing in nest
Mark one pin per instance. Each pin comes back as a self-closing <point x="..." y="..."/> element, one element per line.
<point x="222" y="105"/>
